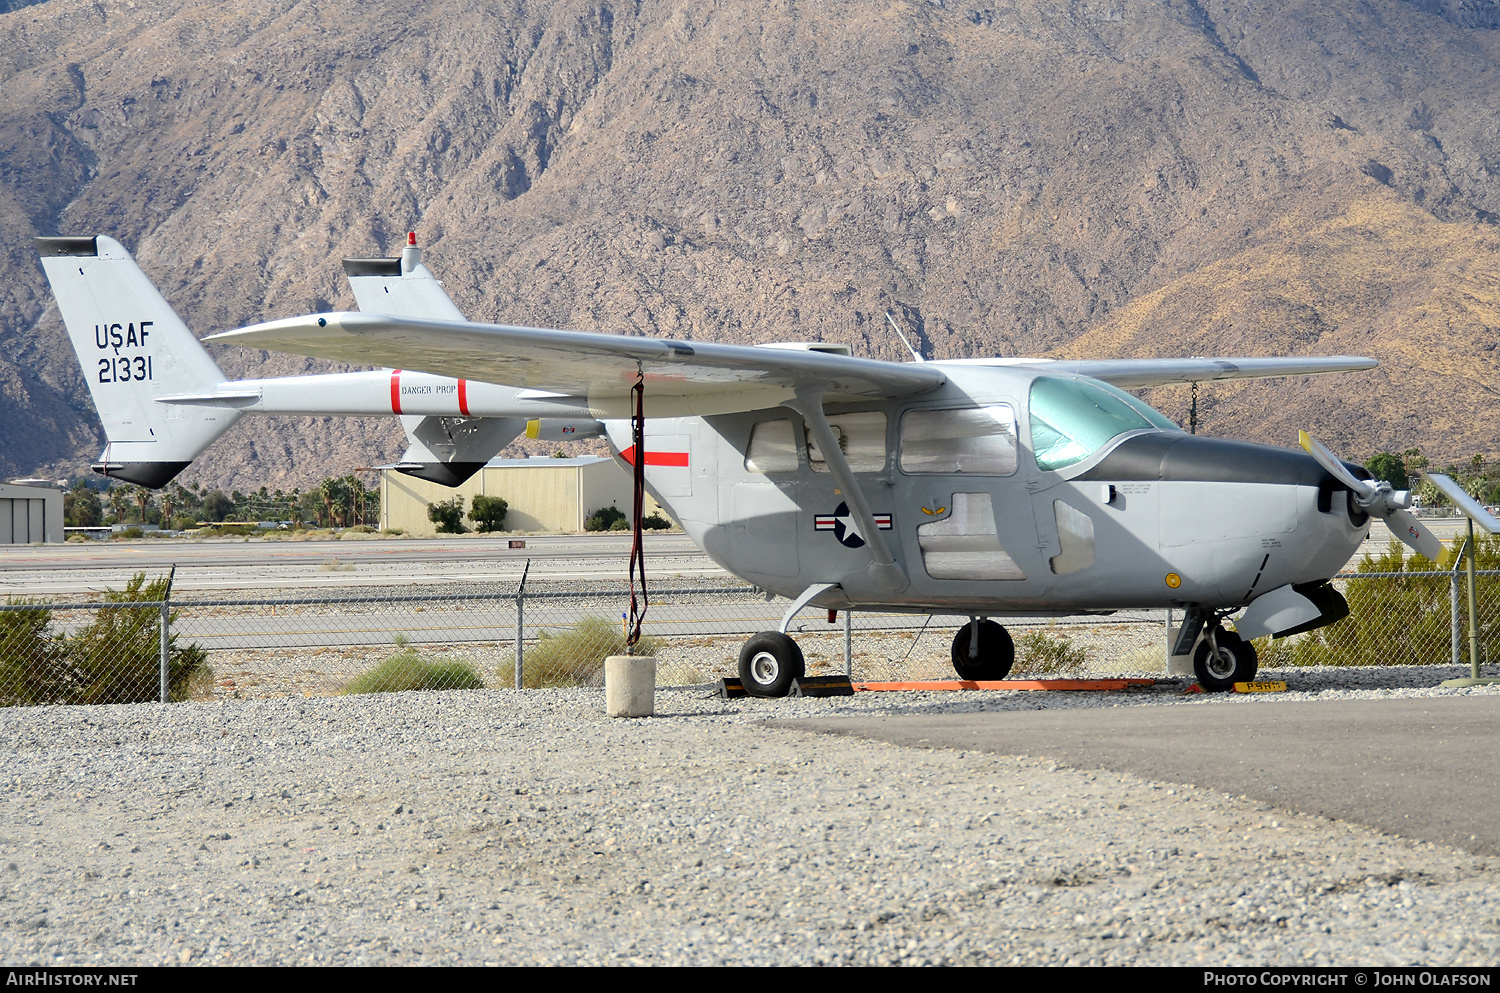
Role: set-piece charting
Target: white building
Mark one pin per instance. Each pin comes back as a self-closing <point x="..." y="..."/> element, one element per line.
<point x="30" y="514"/>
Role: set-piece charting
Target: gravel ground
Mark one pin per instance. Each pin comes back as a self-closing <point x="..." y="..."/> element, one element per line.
<point x="502" y="827"/>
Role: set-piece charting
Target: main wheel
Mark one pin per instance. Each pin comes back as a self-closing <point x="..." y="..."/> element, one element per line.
<point x="1234" y="662"/>
<point x="768" y="664"/>
<point x="997" y="653"/>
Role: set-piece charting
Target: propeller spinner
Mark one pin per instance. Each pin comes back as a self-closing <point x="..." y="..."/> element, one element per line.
<point x="1379" y="498"/>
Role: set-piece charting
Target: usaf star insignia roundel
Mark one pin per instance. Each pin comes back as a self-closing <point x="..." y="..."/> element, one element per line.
<point x="845" y="528"/>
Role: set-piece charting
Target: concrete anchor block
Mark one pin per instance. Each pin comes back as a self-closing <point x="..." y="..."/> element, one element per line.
<point x="630" y="685"/>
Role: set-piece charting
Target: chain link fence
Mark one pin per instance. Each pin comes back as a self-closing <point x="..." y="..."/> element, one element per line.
<point x="111" y="649"/>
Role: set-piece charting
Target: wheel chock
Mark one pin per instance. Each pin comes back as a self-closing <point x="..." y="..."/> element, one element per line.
<point x="1194" y="688"/>
<point x="822" y="686"/>
<point x="1261" y="686"/>
<point x="731" y="688"/>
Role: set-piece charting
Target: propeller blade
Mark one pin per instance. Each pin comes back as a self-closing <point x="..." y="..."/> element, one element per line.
<point x="1470" y="507"/>
<point x="1410" y="530"/>
<point x="1336" y="468"/>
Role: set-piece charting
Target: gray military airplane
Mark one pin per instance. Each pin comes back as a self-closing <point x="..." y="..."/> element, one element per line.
<point x="992" y="488"/>
<point x="162" y="399"/>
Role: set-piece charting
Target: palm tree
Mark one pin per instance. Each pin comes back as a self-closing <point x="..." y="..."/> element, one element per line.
<point x="142" y="497"/>
<point x="117" y="502"/>
<point x="329" y="489"/>
<point x="353" y="504"/>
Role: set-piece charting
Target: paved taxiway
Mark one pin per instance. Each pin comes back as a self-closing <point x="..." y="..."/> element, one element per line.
<point x="1419" y="768"/>
<point x="240" y="564"/>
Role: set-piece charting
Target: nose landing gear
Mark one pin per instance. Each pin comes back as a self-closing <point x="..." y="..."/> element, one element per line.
<point x="1222" y="658"/>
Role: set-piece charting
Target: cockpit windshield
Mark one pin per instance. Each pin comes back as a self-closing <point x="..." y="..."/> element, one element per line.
<point x="1072" y="419"/>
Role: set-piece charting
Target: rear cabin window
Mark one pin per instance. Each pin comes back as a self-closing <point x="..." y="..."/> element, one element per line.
<point x="980" y="440"/>
<point x="861" y="438"/>
<point x="772" y="448"/>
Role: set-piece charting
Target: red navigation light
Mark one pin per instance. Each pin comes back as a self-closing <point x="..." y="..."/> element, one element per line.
<point x="411" y="237"/>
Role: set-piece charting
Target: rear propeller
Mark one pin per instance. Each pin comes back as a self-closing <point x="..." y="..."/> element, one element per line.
<point x="1379" y="498"/>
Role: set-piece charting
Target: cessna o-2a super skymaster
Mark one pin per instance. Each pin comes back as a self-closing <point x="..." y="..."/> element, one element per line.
<point x="989" y="487"/>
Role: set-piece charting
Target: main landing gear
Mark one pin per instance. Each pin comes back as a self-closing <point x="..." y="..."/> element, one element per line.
<point x="983" y="650"/>
<point x="769" y="663"/>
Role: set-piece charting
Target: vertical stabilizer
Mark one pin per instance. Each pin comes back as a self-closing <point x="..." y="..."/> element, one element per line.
<point x="444" y="450"/>
<point x="133" y="348"/>
<point x="400" y="287"/>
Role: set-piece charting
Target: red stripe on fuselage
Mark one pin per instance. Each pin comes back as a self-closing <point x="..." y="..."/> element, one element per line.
<point x="463" y="397"/>
<point x="395" y="391"/>
<point x="679" y="459"/>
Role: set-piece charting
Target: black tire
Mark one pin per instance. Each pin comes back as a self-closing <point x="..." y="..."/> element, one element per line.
<point x="997" y="653"/>
<point x="1235" y="662"/>
<point x="769" y="663"/>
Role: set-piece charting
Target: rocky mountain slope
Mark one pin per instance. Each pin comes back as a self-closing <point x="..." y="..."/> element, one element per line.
<point x="1104" y="177"/>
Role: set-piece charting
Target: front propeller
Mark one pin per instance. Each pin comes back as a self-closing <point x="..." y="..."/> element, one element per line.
<point x="1379" y="498"/>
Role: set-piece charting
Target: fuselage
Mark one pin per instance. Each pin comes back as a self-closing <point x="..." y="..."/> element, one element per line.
<point x="1004" y="491"/>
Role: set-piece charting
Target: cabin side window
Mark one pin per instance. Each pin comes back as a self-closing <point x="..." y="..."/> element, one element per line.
<point x="861" y="438"/>
<point x="1075" y="533"/>
<point x="772" y="448"/>
<point x="980" y="440"/>
<point x="966" y="543"/>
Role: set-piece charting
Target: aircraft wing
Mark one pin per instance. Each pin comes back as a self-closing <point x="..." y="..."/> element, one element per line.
<point x="1136" y="374"/>
<point x="682" y="378"/>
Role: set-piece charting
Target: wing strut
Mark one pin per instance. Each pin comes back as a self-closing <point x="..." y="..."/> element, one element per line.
<point x="885" y="570"/>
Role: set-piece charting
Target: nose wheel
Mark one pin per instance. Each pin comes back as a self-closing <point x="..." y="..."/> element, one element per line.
<point x="1222" y="658"/>
<point x="983" y="650"/>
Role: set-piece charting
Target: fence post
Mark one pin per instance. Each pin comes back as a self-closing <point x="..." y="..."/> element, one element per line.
<point x="521" y="622"/>
<point x="849" y="643"/>
<point x="166" y="614"/>
<point x="1453" y="623"/>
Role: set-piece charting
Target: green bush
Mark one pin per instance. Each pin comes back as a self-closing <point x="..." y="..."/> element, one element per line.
<point x="489" y="513"/>
<point x="615" y="519"/>
<point x="116" y="658"/>
<point x="448" y="516"/>
<point x="1046" y="652"/>
<point x="405" y="669"/>
<point x="605" y="519"/>
<point x="31" y="659"/>
<point x="575" y="657"/>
